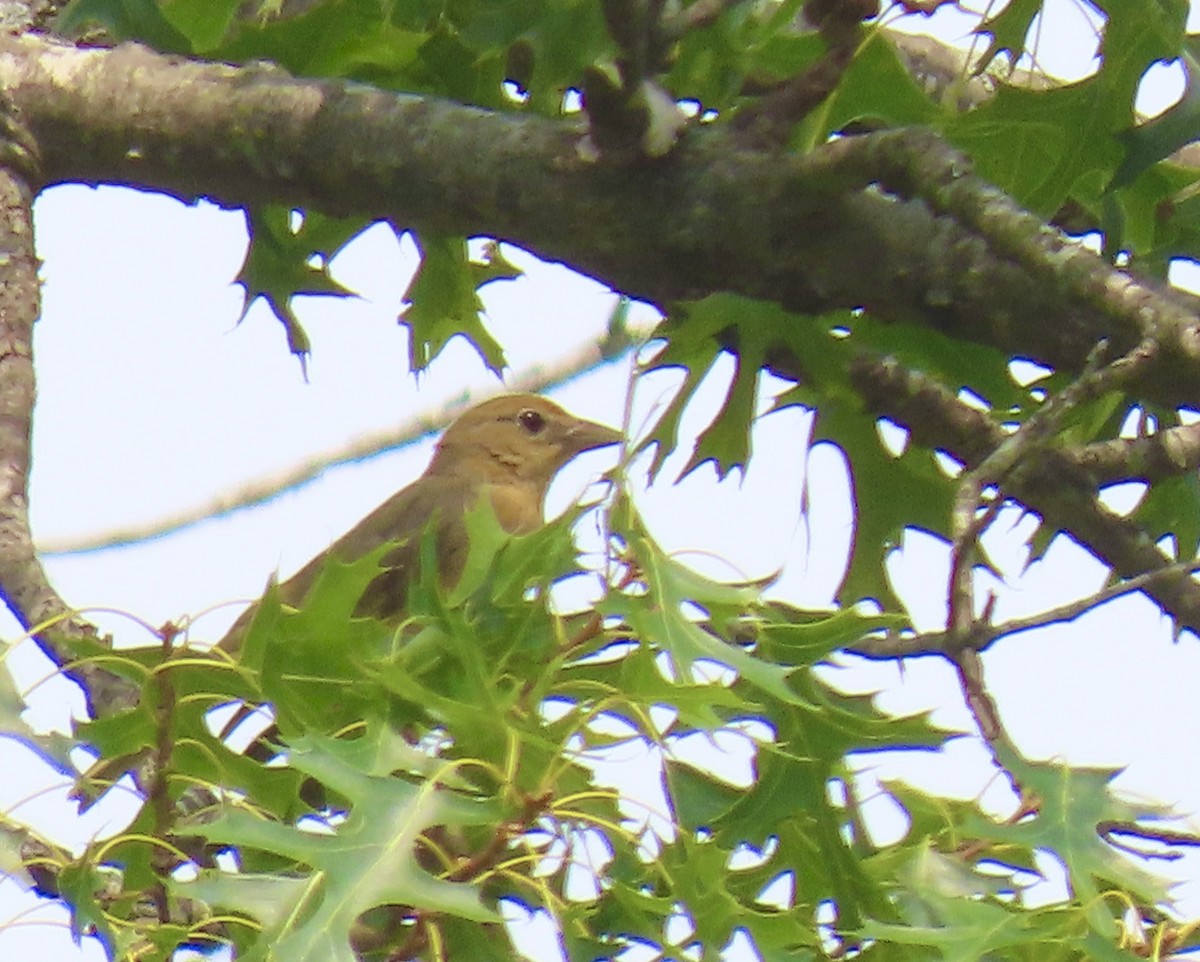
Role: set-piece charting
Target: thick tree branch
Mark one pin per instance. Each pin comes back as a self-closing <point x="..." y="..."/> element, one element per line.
<point x="934" y="246"/>
<point x="1056" y="484"/>
<point x="23" y="582"/>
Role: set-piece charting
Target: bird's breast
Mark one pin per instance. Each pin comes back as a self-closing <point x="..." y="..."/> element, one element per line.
<point x="518" y="507"/>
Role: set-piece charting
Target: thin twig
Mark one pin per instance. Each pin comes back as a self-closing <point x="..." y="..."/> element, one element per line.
<point x="766" y="123"/>
<point x="892" y="645"/>
<point x="1016" y="448"/>
<point x="963" y="628"/>
<point x="1168" y="452"/>
<point x="1069" y="612"/>
<point x="702" y="13"/>
<point x="961" y="603"/>
<point x="156" y="780"/>
<point x="269" y="487"/>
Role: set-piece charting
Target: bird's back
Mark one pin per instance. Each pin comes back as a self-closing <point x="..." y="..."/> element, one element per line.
<point x="403" y="519"/>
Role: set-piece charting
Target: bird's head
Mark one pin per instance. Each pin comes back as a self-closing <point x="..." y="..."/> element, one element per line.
<point x="516" y="438"/>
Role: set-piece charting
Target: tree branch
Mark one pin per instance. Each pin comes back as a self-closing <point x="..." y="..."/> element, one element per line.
<point x="1167" y="453"/>
<point x="1056" y="484"/>
<point x="23" y="582"/>
<point x="769" y="121"/>
<point x="893" y="645"/>
<point x="890" y="221"/>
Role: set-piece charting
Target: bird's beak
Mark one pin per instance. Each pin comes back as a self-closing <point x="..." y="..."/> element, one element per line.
<point x="586" y="435"/>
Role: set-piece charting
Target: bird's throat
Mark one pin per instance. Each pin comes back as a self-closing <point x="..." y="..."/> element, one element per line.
<point x="518" y="505"/>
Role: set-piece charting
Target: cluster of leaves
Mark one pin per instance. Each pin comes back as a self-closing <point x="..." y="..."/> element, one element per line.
<point x="896" y="486"/>
<point x="511" y="55"/>
<point x="442" y="770"/>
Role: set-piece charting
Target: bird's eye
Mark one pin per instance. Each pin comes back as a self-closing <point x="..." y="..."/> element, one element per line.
<point x="531" y="421"/>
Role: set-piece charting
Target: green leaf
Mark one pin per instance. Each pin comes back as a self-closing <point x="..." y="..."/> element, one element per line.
<point x="889" y="495"/>
<point x="1072" y="804"/>
<point x="671" y="625"/>
<point x="12" y="858"/>
<point x="958" y="904"/>
<point x="891" y="491"/>
<point x="696" y="335"/>
<point x="699" y="872"/>
<point x="555" y="43"/>
<point x="698" y="797"/>
<point x="314" y="662"/>
<point x="353" y="39"/>
<point x="200" y="682"/>
<point x="631" y="912"/>
<point x="945" y="823"/>
<point x="81" y="884"/>
<point x="636" y="680"/>
<point x="712" y="65"/>
<point x="966" y="930"/>
<point x="1039" y="145"/>
<point x="124" y="20"/>
<point x="1171" y="506"/>
<point x="370" y="860"/>
<point x="54" y="747"/>
<point x="205" y="23"/>
<point x="1148" y="143"/>
<point x="268" y="898"/>
<point x="289" y="254"/>
<point x="1156" y="216"/>
<point x="121" y="733"/>
<point x="542" y="555"/>
<point x="1008" y="30"/>
<point x="808" y="637"/>
<point x="443" y="301"/>
<point x="875" y="87"/>
<point x="790" y="798"/>
<point x="1043" y="146"/>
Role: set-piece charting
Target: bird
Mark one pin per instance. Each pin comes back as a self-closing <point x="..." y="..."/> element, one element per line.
<point x="508" y="448"/>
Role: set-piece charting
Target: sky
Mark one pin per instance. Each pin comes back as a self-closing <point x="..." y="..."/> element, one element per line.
<point x="153" y="400"/>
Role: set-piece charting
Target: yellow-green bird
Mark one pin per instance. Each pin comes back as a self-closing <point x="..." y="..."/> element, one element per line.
<point x="508" y="448"/>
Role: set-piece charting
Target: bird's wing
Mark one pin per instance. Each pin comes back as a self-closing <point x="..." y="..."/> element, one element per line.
<point x="403" y="519"/>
